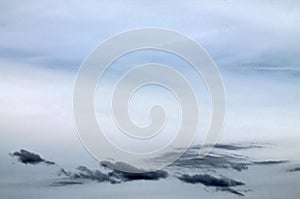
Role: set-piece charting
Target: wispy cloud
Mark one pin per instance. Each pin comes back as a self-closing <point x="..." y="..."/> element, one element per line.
<point x="215" y="160"/>
<point x="189" y="168"/>
<point x="211" y="181"/>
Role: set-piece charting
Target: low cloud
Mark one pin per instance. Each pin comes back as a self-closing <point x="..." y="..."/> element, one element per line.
<point x="66" y="183"/>
<point x="270" y="162"/>
<point x="139" y="174"/>
<point x="235" y="147"/>
<point x="189" y="168"/>
<point x="221" y="183"/>
<point x="113" y="176"/>
<point x="28" y="157"/>
<point x="294" y="169"/>
<point x="209" y="180"/>
<point x="83" y="173"/>
<point x="191" y="160"/>
<point x="230" y="190"/>
<point x="220" y="158"/>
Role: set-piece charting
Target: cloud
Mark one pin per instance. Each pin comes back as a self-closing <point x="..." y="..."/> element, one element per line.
<point x="235" y="147"/>
<point x="294" y="169"/>
<point x="191" y="160"/>
<point x="270" y="162"/>
<point x="28" y="157"/>
<point x="224" y="156"/>
<point x="209" y="180"/>
<point x="83" y="173"/>
<point x="150" y="175"/>
<point x="230" y="190"/>
<point x="66" y="183"/>
<point x="137" y="174"/>
<point x="220" y="158"/>
<point x="222" y="183"/>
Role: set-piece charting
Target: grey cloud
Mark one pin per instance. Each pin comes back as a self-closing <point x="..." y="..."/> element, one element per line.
<point x="222" y="157"/>
<point x="151" y="175"/>
<point x="28" y="157"/>
<point x="235" y="147"/>
<point x="139" y="174"/>
<point x="294" y="169"/>
<point x="270" y="162"/>
<point x="190" y="159"/>
<point x="230" y="190"/>
<point x="83" y="173"/>
<point x="121" y="166"/>
<point x="209" y="180"/>
<point x="222" y="183"/>
<point x="66" y="183"/>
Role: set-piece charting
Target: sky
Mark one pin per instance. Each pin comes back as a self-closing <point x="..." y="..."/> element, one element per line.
<point x="254" y="44"/>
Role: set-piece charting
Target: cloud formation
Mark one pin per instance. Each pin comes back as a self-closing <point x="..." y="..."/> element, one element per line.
<point x="28" y="157"/>
<point x="270" y="162"/>
<point x="65" y="183"/>
<point x="83" y="174"/>
<point x="209" y="180"/>
<point x="139" y="174"/>
<point x="222" y="183"/>
<point x="191" y="160"/>
<point x="235" y="147"/>
<point x="294" y="169"/>
<point x="230" y="190"/>
<point x="221" y="158"/>
<point x="189" y="168"/>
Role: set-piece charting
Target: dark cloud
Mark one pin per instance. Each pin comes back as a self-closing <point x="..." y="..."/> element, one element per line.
<point x="28" y="157"/>
<point x="230" y="190"/>
<point x="113" y="176"/>
<point x="209" y="180"/>
<point x="139" y="174"/>
<point x="222" y="157"/>
<point x="121" y="166"/>
<point x="222" y="183"/>
<point x="294" y="169"/>
<point x="151" y="175"/>
<point x="235" y="147"/>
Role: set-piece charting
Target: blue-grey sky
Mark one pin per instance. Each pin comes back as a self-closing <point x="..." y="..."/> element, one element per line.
<point x="61" y="34"/>
<point x="255" y="44"/>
